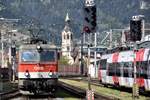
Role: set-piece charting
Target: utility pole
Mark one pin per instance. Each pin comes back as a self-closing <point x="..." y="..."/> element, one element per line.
<point x="135" y="90"/>
<point x="88" y="64"/>
<point x="110" y="42"/>
<point x="13" y="54"/>
<point x="143" y="29"/>
<point x="9" y="64"/>
<point x="82" y="64"/>
<point x="2" y="46"/>
<point x="135" y="29"/>
<point x="95" y="57"/>
<point x="89" y="28"/>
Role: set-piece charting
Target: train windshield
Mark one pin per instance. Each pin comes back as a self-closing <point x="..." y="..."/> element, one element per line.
<point x="29" y="55"/>
<point x="47" y="56"/>
<point x="35" y="56"/>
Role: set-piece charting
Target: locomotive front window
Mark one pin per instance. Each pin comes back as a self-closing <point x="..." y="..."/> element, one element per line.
<point x="47" y="56"/>
<point x="35" y="56"/>
<point x="29" y="56"/>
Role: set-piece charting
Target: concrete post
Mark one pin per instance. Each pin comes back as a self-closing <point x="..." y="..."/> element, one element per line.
<point x="95" y="58"/>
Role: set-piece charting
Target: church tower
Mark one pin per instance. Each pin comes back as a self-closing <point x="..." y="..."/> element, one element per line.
<point x="67" y="40"/>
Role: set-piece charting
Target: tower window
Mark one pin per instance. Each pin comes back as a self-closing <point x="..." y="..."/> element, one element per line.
<point x="67" y="36"/>
<point x="71" y="36"/>
<point x="68" y="48"/>
<point x="64" y="36"/>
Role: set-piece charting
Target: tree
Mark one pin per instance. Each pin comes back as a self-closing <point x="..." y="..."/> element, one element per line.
<point x="63" y="60"/>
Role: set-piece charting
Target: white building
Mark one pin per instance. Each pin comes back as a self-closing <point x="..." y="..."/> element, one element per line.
<point x="67" y="40"/>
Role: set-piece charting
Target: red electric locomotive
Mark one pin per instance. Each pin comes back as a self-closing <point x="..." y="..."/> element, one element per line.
<point x="38" y="68"/>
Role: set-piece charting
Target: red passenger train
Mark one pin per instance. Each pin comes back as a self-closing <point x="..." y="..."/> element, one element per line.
<point x="118" y="68"/>
<point x="38" y="68"/>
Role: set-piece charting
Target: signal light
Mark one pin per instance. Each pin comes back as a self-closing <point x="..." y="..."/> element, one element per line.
<point x="13" y="51"/>
<point x="93" y="9"/>
<point x="87" y="19"/>
<point x="90" y="19"/>
<point x="86" y="29"/>
<point x="87" y="10"/>
<point x="135" y="30"/>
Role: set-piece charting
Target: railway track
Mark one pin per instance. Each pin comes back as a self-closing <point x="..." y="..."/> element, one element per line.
<point x="62" y="92"/>
<point x="8" y="95"/>
<point x="82" y="92"/>
<point x="97" y="83"/>
<point x="33" y="97"/>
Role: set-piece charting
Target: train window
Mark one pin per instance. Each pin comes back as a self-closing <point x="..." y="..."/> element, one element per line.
<point x="130" y="70"/>
<point x="142" y="69"/>
<point x="127" y="69"/>
<point x="111" y="69"/>
<point x="29" y="55"/>
<point x="114" y="69"/>
<point x="118" y="69"/>
<point x="102" y="64"/>
<point x="47" y="56"/>
<point x="138" y="69"/>
<point x="148" y="70"/>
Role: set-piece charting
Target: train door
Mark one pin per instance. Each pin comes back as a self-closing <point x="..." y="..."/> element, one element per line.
<point x="102" y="70"/>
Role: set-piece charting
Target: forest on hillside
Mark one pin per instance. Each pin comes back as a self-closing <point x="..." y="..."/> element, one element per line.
<point x="50" y="15"/>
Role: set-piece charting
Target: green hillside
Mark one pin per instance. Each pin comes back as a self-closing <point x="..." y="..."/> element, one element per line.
<point x="50" y="14"/>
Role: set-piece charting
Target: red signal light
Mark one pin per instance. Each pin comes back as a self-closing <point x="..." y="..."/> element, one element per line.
<point x="86" y="29"/>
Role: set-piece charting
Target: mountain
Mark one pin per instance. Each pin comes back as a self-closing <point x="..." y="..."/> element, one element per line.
<point x="50" y="15"/>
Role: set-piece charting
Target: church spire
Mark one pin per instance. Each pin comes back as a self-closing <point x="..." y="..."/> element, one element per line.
<point x="67" y="18"/>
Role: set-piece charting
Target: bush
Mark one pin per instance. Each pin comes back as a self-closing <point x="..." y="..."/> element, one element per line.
<point x="63" y="60"/>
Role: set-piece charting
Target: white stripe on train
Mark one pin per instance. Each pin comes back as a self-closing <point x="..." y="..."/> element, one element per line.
<point x="38" y="75"/>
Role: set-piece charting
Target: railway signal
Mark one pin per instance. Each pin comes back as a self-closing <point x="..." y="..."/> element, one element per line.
<point x="89" y="17"/>
<point x="13" y="51"/>
<point x="135" y="29"/>
<point x="135" y="35"/>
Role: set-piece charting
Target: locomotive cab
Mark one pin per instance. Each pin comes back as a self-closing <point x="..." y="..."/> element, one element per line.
<point x="38" y="67"/>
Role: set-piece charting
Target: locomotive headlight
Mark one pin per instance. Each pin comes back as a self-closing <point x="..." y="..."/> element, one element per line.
<point x="39" y="48"/>
<point x="27" y="74"/>
<point x="50" y="74"/>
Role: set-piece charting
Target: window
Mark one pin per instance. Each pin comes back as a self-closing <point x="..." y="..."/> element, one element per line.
<point x="67" y="36"/>
<point x="148" y="70"/>
<point x="142" y="69"/>
<point x="71" y="37"/>
<point x="114" y="69"/>
<point x="35" y="56"/>
<point x="118" y="69"/>
<point x="111" y="69"/>
<point x="64" y="36"/>
<point x="68" y="48"/>
<point x="128" y="69"/>
<point x="29" y="55"/>
<point x="102" y="64"/>
<point x="47" y="56"/>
